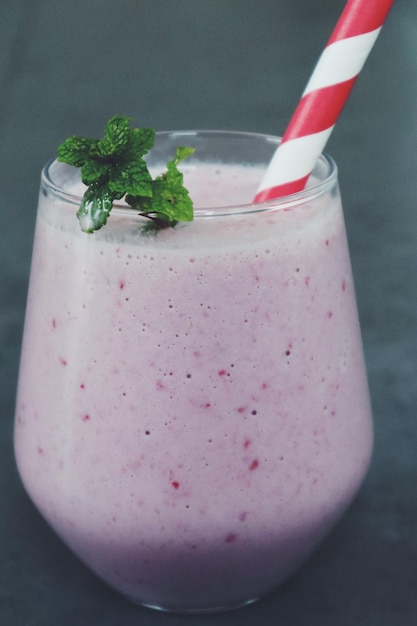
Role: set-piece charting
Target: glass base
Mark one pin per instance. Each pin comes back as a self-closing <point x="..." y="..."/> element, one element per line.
<point x="196" y="610"/>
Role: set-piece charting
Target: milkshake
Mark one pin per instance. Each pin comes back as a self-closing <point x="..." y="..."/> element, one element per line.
<point x="193" y="414"/>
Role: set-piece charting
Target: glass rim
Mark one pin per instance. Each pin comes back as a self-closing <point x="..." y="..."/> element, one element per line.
<point x="310" y="193"/>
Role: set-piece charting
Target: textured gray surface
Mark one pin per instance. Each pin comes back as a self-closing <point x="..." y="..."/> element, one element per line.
<point x="64" y="69"/>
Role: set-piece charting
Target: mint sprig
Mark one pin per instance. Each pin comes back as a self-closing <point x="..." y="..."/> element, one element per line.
<point x="114" y="167"/>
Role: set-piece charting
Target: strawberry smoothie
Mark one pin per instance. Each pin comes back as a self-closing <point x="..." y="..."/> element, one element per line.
<point x="193" y="413"/>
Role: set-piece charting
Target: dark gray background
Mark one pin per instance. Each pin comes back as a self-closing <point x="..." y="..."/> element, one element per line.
<point x="65" y="67"/>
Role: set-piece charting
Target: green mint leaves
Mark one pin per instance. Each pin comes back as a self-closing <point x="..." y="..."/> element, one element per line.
<point x="114" y="167"/>
<point x="169" y="201"/>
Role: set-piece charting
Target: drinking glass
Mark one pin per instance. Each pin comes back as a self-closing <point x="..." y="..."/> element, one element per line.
<point x="193" y="413"/>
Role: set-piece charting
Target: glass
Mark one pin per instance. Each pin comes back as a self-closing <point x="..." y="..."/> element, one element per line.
<point x="193" y="413"/>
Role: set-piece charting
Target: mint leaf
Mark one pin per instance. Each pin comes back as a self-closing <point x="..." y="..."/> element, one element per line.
<point x="114" y="167"/>
<point x="95" y="171"/>
<point x="169" y="196"/>
<point x="76" y="150"/>
<point x="95" y="208"/>
<point x="142" y="140"/>
<point x="116" y="136"/>
<point x="131" y="178"/>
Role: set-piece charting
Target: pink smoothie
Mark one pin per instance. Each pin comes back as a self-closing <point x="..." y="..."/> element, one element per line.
<point x="193" y="412"/>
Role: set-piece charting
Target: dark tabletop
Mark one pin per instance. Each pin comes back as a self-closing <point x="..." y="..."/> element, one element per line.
<point x="65" y="68"/>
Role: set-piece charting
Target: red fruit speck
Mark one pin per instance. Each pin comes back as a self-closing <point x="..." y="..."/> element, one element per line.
<point x="230" y="538"/>
<point x="175" y="484"/>
<point x="254" y="464"/>
<point x="121" y="284"/>
<point x="63" y="361"/>
<point x="222" y="372"/>
<point x="54" y="323"/>
<point x="246" y="443"/>
<point x="86" y="418"/>
<point x="241" y="409"/>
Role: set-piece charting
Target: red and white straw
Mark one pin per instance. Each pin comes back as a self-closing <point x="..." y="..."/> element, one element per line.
<point x="324" y="97"/>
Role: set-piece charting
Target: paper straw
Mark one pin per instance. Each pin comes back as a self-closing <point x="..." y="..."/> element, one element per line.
<point x="324" y="97"/>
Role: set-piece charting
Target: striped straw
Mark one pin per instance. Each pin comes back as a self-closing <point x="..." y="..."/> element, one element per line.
<point x="324" y="97"/>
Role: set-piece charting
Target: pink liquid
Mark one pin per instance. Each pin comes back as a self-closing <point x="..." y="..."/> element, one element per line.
<point x="193" y="412"/>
